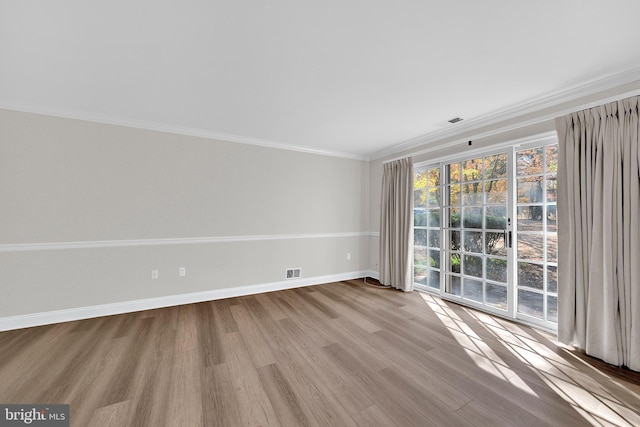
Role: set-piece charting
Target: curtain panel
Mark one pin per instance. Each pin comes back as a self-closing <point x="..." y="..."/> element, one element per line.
<point x="599" y="232"/>
<point x="396" y="225"/>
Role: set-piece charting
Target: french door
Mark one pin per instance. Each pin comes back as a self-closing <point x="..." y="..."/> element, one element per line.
<point x="476" y="230"/>
<point x="484" y="232"/>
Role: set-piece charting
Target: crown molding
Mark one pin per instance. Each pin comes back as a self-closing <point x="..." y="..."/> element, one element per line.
<point x="174" y="129"/>
<point x="536" y="105"/>
<point x="532" y="106"/>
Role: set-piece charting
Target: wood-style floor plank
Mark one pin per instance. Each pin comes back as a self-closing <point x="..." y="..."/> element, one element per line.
<point x="284" y="399"/>
<point x="341" y="354"/>
<point x="253" y="403"/>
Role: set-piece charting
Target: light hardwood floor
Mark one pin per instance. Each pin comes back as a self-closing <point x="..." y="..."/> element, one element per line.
<point x="343" y="354"/>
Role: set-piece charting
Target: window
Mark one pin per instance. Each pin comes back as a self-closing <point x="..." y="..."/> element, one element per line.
<point x="485" y="231"/>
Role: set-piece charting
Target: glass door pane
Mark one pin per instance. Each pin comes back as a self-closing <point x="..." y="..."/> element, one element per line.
<point x="426" y="228"/>
<point x="475" y="225"/>
<point x="537" y="239"/>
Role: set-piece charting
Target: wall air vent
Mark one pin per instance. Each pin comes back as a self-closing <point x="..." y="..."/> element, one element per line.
<point x="455" y="120"/>
<point x="293" y="273"/>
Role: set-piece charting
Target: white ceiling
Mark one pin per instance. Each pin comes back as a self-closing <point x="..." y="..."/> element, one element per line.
<point x="351" y="76"/>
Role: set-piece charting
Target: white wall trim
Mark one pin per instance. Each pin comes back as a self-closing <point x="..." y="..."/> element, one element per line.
<point x="68" y="315"/>
<point x="372" y="273"/>
<point x="531" y="107"/>
<point x="25" y="247"/>
<point x="177" y="130"/>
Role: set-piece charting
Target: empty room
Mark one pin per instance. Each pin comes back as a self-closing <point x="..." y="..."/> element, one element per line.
<point x="357" y="213"/>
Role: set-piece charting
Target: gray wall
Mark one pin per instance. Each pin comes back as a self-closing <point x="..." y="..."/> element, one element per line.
<point x="64" y="180"/>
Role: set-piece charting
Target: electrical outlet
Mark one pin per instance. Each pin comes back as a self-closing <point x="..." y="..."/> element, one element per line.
<point x="348" y="255"/>
<point x="182" y="271"/>
<point x="154" y="274"/>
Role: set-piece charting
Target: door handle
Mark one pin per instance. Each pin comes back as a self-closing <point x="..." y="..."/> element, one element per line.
<point x="507" y="238"/>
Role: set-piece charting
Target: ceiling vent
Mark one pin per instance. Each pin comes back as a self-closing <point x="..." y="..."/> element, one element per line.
<point x="455" y="120"/>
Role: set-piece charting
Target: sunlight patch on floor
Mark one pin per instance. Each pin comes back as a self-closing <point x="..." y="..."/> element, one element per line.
<point x="582" y="392"/>
<point x="563" y="376"/>
<point x="478" y="351"/>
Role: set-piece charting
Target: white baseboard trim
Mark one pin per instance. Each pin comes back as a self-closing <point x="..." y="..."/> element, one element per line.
<point x="373" y="274"/>
<point x="71" y="314"/>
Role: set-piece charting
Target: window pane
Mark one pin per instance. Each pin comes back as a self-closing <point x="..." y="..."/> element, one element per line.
<point x="420" y="265"/>
<point x="419" y="198"/>
<point x="453" y="215"/>
<point x="433" y="196"/>
<point x="419" y="217"/>
<point x="530" y="275"/>
<point x="531" y="303"/>
<point x="530" y="246"/>
<point x="434" y="217"/>
<point x="530" y="218"/>
<point x="495" y="191"/>
<point x="472" y="217"/>
<point x="434" y="238"/>
<point x="496" y="217"/>
<point x="494" y="243"/>
<point x="552" y="309"/>
<point x="472" y="193"/>
<point x="552" y="158"/>
<point x="433" y="179"/>
<point x="552" y="248"/>
<point x="529" y="162"/>
<point x="551" y="218"/>
<point x="473" y="241"/>
<point x="472" y="170"/>
<point x="495" y="166"/>
<point x="434" y="258"/>
<point x="419" y="237"/>
<point x="472" y="266"/>
<point x="529" y="190"/>
<point x="434" y="279"/>
<point x="497" y="269"/>
<point x="453" y="285"/>
<point x="455" y="262"/>
<point x="419" y="179"/>
<point x="473" y="289"/>
<point x="552" y="279"/>
<point x="454" y="194"/>
<point x="453" y="170"/>
<point x="497" y="296"/>
<point x="552" y="188"/>
<point x="454" y="242"/>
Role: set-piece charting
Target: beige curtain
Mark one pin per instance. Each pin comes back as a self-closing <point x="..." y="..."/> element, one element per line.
<point x="599" y="232"/>
<point x="396" y="225"/>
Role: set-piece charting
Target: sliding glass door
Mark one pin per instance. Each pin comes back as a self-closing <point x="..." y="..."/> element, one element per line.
<point x="484" y="231"/>
<point x="537" y="237"/>
<point x="476" y="230"/>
